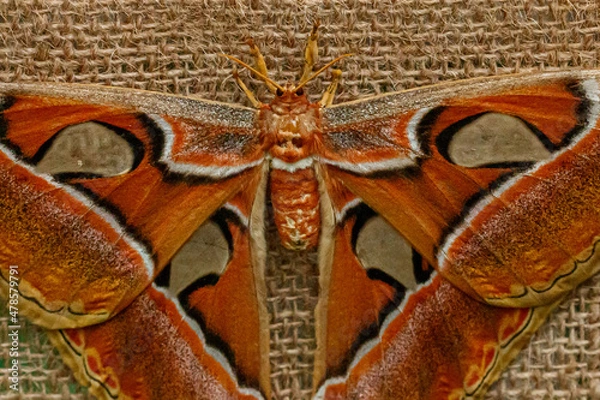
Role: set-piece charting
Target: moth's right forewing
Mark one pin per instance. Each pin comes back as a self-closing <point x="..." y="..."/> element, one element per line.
<point x="87" y="243"/>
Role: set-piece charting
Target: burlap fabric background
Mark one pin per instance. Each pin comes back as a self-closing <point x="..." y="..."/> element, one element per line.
<point x="172" y="46"/>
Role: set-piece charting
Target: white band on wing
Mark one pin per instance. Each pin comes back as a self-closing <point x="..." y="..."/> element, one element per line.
<point x="370" y="167"/>
<point x="208" y="171"/>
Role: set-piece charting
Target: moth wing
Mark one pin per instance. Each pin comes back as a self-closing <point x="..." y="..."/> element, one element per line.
<point x="199" y="331"/>
<point x="87" y="240"/>
<point x="389" y="326"/>
<point x="438" y="343"/>
<point x="493" y="181"/>
<point x="150" y="350"/>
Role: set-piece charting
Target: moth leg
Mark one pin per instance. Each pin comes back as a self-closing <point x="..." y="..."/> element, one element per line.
<point x="261" y="65"/>
<point x="327" y="98"/>
<point x="249" y="94"/>
<point x="311" y="53"/>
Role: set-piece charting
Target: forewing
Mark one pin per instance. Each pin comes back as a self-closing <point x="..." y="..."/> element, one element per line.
<point x="89" y="237"/>
<point x="494" y="181"/>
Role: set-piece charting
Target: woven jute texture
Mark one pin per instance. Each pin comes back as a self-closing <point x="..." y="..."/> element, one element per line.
<point x="173" y="46"/>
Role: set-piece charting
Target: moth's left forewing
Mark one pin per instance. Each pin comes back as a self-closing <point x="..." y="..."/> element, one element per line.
<point x="494" y="182"/>
<point x="87" y="243"/>
<point x="481" y="221"/>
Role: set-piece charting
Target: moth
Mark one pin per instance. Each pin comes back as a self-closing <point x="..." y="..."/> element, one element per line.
<point x="449" y="220"/>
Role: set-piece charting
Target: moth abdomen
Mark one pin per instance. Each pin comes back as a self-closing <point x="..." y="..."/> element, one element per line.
<point x="295" y="200"/>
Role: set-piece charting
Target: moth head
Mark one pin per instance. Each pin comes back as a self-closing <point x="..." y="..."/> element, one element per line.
<point x="290" y="101"/>
<point x="289" y="92"/>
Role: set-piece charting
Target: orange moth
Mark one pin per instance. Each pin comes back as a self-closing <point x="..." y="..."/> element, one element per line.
<point x="449" y="220"/>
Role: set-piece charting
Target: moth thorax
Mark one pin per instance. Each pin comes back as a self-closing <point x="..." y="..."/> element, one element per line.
<point x="291" y="131"/>
<point x="295" y="201"/>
